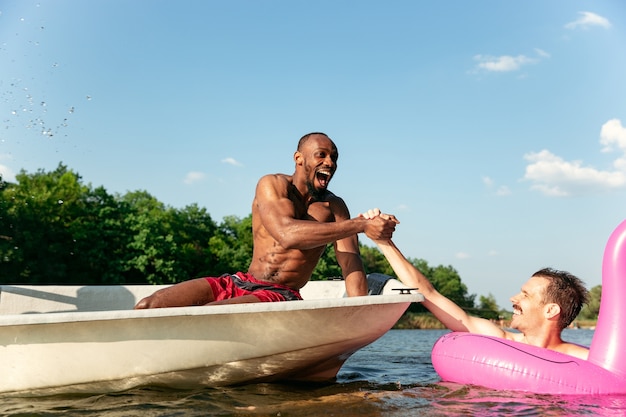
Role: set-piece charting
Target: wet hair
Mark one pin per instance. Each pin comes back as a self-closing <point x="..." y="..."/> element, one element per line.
<point x="566" y="290"/>
<point x="304" y="139"/>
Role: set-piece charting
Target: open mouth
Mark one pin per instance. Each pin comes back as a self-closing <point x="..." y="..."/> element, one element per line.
<point x="323" y="177"/>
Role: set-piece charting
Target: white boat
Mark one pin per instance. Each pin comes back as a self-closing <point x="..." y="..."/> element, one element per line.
<point x="71" y="339"/>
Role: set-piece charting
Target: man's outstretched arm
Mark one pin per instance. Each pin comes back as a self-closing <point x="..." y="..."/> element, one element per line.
<point x="446" y="311"/>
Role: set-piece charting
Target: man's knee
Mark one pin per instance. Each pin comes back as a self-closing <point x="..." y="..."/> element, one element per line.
<point x="147" y="302"/>
<point x="143" y="303"/>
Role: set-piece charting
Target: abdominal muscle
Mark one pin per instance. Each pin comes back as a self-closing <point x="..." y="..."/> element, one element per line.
<point x="292" y="268"/>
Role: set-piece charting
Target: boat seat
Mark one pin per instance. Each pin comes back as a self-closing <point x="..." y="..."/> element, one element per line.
<point x="24" y="299"/>
<point x="376" y="283"/>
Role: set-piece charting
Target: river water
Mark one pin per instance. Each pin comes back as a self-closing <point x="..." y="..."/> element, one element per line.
<point x="391" y="377"/>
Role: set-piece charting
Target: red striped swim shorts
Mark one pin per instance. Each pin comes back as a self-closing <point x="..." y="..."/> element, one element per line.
<point x="240" y="284"/>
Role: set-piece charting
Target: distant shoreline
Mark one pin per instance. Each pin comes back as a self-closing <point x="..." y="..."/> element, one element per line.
<point x="426" y="321"/>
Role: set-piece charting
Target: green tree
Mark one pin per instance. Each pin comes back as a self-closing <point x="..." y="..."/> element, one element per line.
<point x="151" y="250"/>
<point x="56" y="230"/>
<point x="38" y="245"/>
<point x="488" y="307"/>
<point x="100" y="238"/>
<point x="590" y="311"/>
<point x="375" y="261"/>
<point x="231" y="246"/>
<point x="444" y="278"/>
<point x="192" y="229"/>
<point x="327" y="266"/>
<point x="448" y="282"/>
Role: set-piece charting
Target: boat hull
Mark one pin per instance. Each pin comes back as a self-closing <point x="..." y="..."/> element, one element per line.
<point x="104" y="351"/>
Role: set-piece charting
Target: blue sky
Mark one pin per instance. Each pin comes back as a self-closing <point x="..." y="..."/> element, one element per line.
<point x="494" y="130"/>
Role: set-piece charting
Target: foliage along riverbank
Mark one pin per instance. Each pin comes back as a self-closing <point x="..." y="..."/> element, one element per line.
<point x="410" y="320"/>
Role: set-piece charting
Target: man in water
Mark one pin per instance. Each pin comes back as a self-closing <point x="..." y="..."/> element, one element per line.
<point x="548" y="302"/>
<point x="294" y="217"/>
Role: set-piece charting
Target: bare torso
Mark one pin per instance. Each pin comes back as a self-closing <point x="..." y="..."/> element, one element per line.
<point x="271" y="261"/>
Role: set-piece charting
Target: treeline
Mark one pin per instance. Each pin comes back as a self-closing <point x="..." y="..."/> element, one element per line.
<point x="57" y="230"/>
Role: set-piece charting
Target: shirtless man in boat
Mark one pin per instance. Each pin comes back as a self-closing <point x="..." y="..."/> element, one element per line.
<point x="548" y="302"/>
<point x="294" y="217"/>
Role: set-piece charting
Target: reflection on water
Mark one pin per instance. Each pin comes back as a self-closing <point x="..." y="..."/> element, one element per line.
<point x="391" y="377"/>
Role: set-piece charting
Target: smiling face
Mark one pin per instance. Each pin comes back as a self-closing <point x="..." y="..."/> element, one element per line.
<point x="529" y="304"/>
<point x="317" y="158"/>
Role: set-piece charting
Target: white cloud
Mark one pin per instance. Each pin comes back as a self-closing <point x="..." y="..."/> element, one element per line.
<point x="504" y="63"/>
<point x="7" y="173"/>
<point x="553" y="176"/>
<point x="193" y="177"/>
<point x="588" y="20"/>
<point x="462" y="255"/>
<point x="613" y="134"/>
<point x="232" y="161"/>
<point x="493" y="252"/>
<point x="487" y="181"/>
<point x="508" y="63"/>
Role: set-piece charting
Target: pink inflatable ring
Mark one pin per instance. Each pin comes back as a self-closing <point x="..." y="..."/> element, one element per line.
<point x="497" y="363"/>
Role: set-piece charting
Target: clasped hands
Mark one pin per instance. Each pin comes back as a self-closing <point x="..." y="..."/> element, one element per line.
<point x="384" y="227"/>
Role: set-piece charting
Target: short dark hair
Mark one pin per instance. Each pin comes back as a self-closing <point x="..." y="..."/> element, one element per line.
<point x="304" y="139"/>
<point x="566" y="290"/>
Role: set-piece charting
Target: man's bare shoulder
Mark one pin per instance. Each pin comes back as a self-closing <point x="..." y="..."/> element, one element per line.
<point x="277" y="182"/>
<point x="575" y="350"/>
<point x="272" y="178"/>
<point x="514" y="336"/>
<point x="337" y="204"/>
